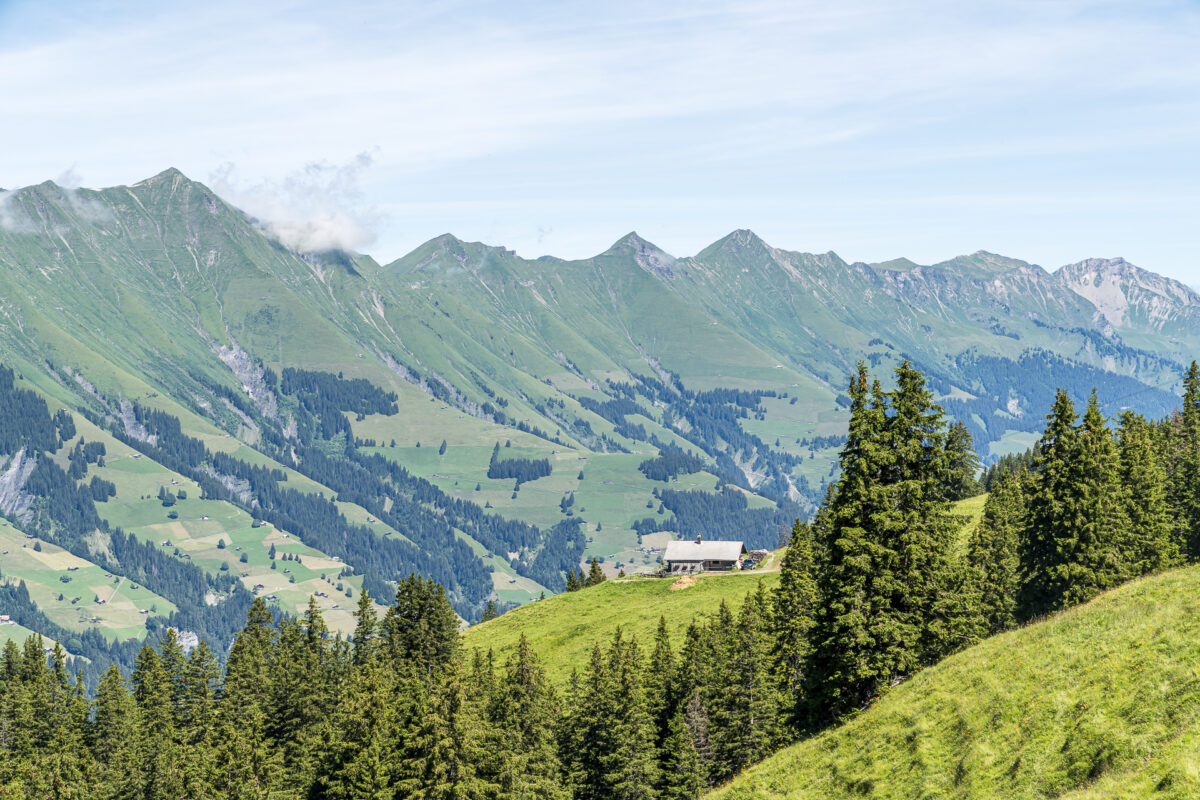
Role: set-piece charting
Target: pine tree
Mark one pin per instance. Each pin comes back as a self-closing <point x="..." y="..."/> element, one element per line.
<point x="489" y="612"/>
<point x="993" y="555"/>
<point x="745" y="705"/>
<point x="962" y="464"/>
<point x="421" y="629"/>
<point x="523" y="747"/>
<point x="1151" y="545"/>
<point x="595" y="574"/>
<point x="573" y="583"/>
<point x="793" y="604"/>
<point x="1053" y="513"/>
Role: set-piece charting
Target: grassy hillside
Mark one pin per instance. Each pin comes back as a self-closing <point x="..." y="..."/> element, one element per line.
<point x="1102" y="701"/>
<point x="564" y="628"/>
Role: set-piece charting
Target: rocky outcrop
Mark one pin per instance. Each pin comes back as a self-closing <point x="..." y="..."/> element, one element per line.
<point x="14" y="501"/>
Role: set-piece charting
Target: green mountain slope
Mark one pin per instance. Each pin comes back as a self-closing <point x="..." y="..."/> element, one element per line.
<point x="160" y="297"/>
<point x="1099" y="701"/>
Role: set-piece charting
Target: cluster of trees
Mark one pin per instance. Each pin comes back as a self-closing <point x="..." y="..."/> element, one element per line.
<point x="26" y="422"/>
<point x="1033" y="379"/>
<point x="397" y="710"/>
<point x="723" y="513"/>
<point x="1096" y="507"/>
<point x="671" y="462"/>
<point x="356" y="395"/>
<point x="595" y="577"/>
<point x="523" y="470"/>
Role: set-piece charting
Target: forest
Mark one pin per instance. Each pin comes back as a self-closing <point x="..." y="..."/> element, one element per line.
<point x="871" y="591"/>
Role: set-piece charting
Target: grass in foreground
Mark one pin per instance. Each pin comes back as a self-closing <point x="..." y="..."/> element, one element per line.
<point x="1102" y="701"/>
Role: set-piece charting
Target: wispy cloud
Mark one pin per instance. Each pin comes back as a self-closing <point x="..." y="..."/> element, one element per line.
<point x="315" y="209"/>
<point x="538" y="108"/>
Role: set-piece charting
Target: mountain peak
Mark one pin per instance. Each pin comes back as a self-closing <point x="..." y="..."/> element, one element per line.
<point x="168" y="175"/>
<point x="1123" y="292"/>
<point x="739" y="241"/>
<point x="985" y="264"/>
<point x="648" y="255"/>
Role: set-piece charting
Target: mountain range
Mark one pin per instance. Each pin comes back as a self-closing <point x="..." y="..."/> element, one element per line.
<point x="666" y="395"/>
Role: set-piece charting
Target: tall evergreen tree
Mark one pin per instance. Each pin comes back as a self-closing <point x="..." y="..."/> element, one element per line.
<point x="1184" y="463"/>
<point x="887" y="587"/>
<point x="421" y="629"/>
<point x="595" y="574"/>
<point x="443" y="756"/>
<point x="962" y="464"/>
<point x="1050" y="526"/>
<point x="794" y="602"/>
<point x="522" y="747"/>
<point x="993" y="554"/>
<point x="1151" y="544"/>
<point x="745" y="703"/>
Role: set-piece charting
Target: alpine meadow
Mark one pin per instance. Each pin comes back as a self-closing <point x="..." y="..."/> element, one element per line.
<point x="303" y="499"/>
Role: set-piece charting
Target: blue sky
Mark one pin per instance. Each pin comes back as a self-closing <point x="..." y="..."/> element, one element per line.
<point x="1049" y="131"/>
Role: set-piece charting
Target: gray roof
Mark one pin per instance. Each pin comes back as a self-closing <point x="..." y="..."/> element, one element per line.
<point x="703" y="551"/>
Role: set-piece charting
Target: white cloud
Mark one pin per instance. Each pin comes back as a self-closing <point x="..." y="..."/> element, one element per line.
<point x="315" y="209"/>
<point x="552" y="114"/>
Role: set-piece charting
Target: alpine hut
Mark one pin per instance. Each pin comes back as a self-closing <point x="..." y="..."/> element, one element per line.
<point x="701" y="556"/>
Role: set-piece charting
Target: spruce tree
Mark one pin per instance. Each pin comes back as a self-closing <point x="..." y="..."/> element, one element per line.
<point x="962" y="464"/>
<point x="993" y="555"/>
<point x="631" y="768"/>
<point x="444" y="753"/>
<point x="793" y="604"/>
<point x="573" y="582"/>
<point x="888" y="591"/>
<point x="684" y="774"/>
<point x="1151" y="544"/>
<point x="1184" y="465"/>
<point x="523" y="748"/>
<point x="421" y="629"/>
<point x="489" y="612"/>
<point x="1053" y="512"/>
<point x="595" y="574"/>
<point x="745" y="704"/>
<point x="366" y="630"/>
<point x="660" y="682"/>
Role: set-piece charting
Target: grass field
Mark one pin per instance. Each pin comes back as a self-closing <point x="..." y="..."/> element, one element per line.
<point x="201" y="525"/>
<point x="12" y="632"/>
<point x="564" y="628"/>
<point x="1102" y="701"/>
<point x="612" y="495"/>
<point x="74" y="592"/>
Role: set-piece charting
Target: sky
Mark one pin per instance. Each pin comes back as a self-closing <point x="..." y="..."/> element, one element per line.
<point x="1050" y="131"/>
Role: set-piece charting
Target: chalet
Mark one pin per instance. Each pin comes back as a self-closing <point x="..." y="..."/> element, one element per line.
<point x="700" y="556"/>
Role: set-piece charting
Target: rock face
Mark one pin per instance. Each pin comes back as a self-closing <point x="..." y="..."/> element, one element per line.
<point x="16" y="471"/>
<point x="1130" y="297"/>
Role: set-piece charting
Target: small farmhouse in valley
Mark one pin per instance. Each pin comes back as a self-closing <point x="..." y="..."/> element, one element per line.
<point x="700" y="556"/>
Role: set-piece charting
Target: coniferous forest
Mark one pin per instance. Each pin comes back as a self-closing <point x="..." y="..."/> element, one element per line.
<point x="872" y="590"/>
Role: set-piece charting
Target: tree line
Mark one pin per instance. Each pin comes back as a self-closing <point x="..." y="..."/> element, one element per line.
<point x="868" y="593"/>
